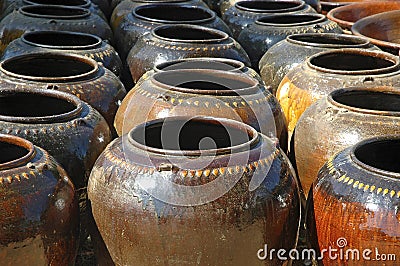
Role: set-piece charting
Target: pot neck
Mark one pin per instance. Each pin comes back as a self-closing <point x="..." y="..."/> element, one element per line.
<point x="269" y="6"/>
<point x="290" y="20"/>
<point x="328" y="40"/>
<point x="210" y="63"/>
<point x="55" y="12"/>
<point x="76" y="3"/>
<point x="25" y="149"/>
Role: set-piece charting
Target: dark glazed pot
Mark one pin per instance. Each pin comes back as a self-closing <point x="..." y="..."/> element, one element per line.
<point x="70" y="73"/>
<point x="243" y="13"/>
<point x="39" y="220"/>
<point x="203" y="92"/>
<point x="171" y="42"/>
<point x="327" y="71"/>
<point x="42" y="17"/>
<point x="340" y="120"/>
<point x="267" y="31"/>
<point x="145" y="18"/>
<point x="66" y="42"/>
<point x="104" y="6"/>
<point x="137" y="219"/>
<point x="296" y="48"/>
<point x="361" y="186"/>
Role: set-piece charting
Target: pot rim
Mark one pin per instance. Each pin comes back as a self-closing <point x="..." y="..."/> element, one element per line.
<point x="252" y="133"/>
<point x="238" y="65"/>
<point x="20" y="142"/>
<point x="75" y="57"/>
<point x="25" y="11"/>
<point x="96" y="44"/>
<point x="377" y="54"/>
<point x="318" y="18"/>
<point x="301" y="4"/>
<point x="85" y="5"/>
<point x="363" y="42"/>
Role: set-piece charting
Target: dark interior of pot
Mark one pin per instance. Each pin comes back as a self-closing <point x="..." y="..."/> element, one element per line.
<point x="58" y="2"/>
<point x="328" y="39"/>
<point x="380" y="154"/>
<point x="267" y="5"/>
<point x="60" y="39"/>
<point x="290" y="19"/>
<point x="10" y="152"/>
<point x="172" y="13"/>
<point x="351" y="61"/>
<point x="187" y="33"/>
<point x="198" y="64"/>
<point x="47" y="66"/>
<point x="33" y="105"/>
<point x="369" y="100"/>
<point x="54" y="11"/>
<point x="190" y="135"/>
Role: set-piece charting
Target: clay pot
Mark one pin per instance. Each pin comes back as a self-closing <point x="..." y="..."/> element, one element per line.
<point x="44" y="17"/>
<point x="361" y="186"/>
<point x="327" y="71"/>
<point x="66" y="42"/>
<point x="243" y="13"/>
<point x="267" y="31"/>
<point x="147" y="17"/>
<point x="296" y="48"/>
<point x="142" y="213"/>
<point x="39" y="221"/>
<point x="203" y="92"/>
<point x="104" y="5"/>
<point x="70" y="73"/>
<point x="171" y="42"/>
<point x="340" y="120"/>
<point x="378" y="29"/>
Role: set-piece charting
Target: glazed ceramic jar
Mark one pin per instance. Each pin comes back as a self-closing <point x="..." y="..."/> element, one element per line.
<point x="224" y="190"/>
<point x="70" y="73"/>
<point x="327" y="71"/>
<point x="296" y="48"/>
<point x="170" y="42"/>
<point x="267" y="31"/>
<point x="39" y="220"/>
<point x="243" y="13"/>
<point x="104" y="6"/>
<point x="85" y="44"/>
<point x="340" y="120"/>
<point x="361" y="186"/>
<point x="144" y="18"/>
<point x="44" y="17"/>
<point x="203" y="92"/>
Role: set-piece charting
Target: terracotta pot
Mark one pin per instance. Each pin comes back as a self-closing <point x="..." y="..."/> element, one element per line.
<point x="243" y="13"/>
<point x="361" y="186"/>
<point x="329" y="5"/>
<point x="171" y="42"/>
<point x="70" y="73"/>
<point x="267" y="31"/>
<point x="246" y="218"/>
<point x="43" y="17"/>
<point x="327" y="71"/>
<point x="203" y="92"/>
<point x="39" y="221"/>
<point x="296" y="48"/>
<point x="66" y="42"/>
<point x="145" y="18"/>
<point x="378" y="29"/>
<point x="340" y="120"/>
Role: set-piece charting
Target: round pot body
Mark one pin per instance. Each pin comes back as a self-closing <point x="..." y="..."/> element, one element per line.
<point x="327" y="71"/>
<point x="267" y="31"/>
<point x="70" y="73"/>
<point x="171" y="42"/>
<point x="243" y="13"/>
<point x="144" y="18"/>
<point x="203" y="92"/>
<point x="361" y="186"/>
<point x="296" y="48"/>
<point x="40" y="215"/>
<point x="104" y="6"/>
<point x="45" y="17"/>
<point x="340" y="120"/>
<point x="66" y="42"/>
<point x="248" y="219"/>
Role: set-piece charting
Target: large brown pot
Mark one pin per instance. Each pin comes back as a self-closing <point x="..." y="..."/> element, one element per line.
<point x="340" y="120"/>
<point x="171" y="203"/>
<point x="39" y="221"/>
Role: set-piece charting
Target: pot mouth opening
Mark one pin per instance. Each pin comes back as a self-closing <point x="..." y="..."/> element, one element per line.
<point x="379" y="155"/>
<point x="367" y="101"/>
<point x="78" y="3"/>
<point x="173" y="14"/>
<point x="49" y="67"/>
<point x="189" y="34"/>
<point x="38" y="106"/>
<point x="61" y="40"/>
<point x="193" y="136"/>
<point x="293" y="20"/>
<point x="14" y="151"/>
<point x="54" y="11"/>
<point x="328" y="40"/>
<point x="269" y="6"/>
<point x="201" y="63"/>
<point x="206" y="82"/>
